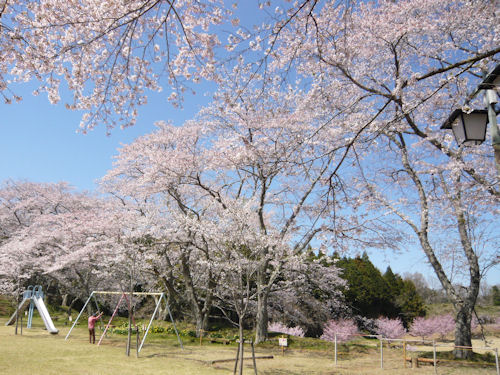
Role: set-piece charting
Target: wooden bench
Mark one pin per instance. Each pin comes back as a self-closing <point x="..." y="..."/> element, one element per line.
<point x="416" y="361"/>
<point x="221" y="340"/>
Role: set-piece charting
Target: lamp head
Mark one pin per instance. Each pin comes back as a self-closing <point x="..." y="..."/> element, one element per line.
<point x="469" y="128"/>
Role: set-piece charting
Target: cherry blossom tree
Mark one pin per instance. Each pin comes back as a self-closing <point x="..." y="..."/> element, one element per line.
<point x="22" y="206"/>
<point x="439" y="324"/>
<point x="180" y="253"/>
<point x="103" y="240"/>
<point x="236" y="247"/>
<point x="76" y="238"/>
<point x="308" y="294"/>
<point x="43" y="226"/>
<point x="351" y="98"/>
<point x="422" y="327"/>
<point x="343" y="329"/>
<point x="446" y="324"/>
<point x="399" y="68"/>
<point x="390" y="328"/>
<point x="240" y="152"/>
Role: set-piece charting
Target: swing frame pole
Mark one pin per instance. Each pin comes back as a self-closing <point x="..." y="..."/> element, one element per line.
<point x="162" y="295"/>
<point x="78" y="317"/>
<point x="110" y="320"/>
<point x="149" y="325"/>
<point x="173" y="322"/>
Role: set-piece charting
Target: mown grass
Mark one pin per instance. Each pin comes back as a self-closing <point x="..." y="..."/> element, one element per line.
<point x="37" y="352"/>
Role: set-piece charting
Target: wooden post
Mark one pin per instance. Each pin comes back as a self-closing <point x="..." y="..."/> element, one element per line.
<point x="17" y="318"/>
<point x="253" y="357"/>
<point x="434" y="355"/>
<point x="17" y="305"/>
<point x="21" y="324"/>
<point x="404" y="353"/>
<point x="381" y="353"/>
<point x="242" y="350"/>
<point x="414" y="361"/>
<point x="130" y="312"/>
<point x="237" y="356"/>
<point x="137" y="342"/>
<point x="335" y="349"/>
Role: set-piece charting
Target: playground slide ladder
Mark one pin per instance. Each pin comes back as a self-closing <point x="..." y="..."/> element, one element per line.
<point x="22" y="306"/>
<point x="27" y="294"/>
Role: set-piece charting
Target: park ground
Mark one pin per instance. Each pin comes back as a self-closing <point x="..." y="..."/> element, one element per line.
<point x="37" y="352"/>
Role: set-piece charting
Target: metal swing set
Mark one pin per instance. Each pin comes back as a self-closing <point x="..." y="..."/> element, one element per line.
<point x="124" y="295"/>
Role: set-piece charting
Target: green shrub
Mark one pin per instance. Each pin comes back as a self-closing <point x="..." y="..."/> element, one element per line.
<point x="157" y="329"/>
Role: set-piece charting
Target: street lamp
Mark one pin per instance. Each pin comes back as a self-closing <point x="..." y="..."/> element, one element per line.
<point x="469" y="128"/>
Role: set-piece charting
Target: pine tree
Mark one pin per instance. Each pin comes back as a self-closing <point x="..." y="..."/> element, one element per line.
<point x="371" y="294"/>
<point x="495" y="294"/>
<point x="368" y="293"/>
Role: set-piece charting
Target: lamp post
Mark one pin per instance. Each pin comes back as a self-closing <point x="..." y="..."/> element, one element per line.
<point x="469" y="128"/>
<point x="490" y="84"/>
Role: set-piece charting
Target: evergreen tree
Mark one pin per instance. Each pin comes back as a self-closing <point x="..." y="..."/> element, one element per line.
<point x="406" y="301"/>
<point x="372" y="295"/>
<point x="395" y="285"/>
<point x="410" y="303"/>
<point x="495" y="294"/>
<point x="367" y="293"/>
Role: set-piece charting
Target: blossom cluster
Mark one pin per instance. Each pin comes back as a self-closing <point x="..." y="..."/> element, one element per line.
<point x="341" y="330"/>
<point x="390" y="328"/>
<point x="425" y="327"/>
<point x="282" y="328"/>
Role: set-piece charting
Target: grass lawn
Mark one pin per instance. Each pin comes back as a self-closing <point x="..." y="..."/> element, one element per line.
<point x="37" y="352"/>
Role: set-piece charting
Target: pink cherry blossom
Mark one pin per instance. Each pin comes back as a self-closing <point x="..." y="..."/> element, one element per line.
<point x="390" y="328"/>
<point x="343" y="329"/>
<point x="280" y="327"/>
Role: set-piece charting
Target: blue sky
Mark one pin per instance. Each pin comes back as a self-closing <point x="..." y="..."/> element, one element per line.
<point x="39" y="141"/>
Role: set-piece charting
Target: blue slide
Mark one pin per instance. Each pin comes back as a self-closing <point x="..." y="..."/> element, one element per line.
<point x="35" y="295"/>
<point x="47" y="320"/>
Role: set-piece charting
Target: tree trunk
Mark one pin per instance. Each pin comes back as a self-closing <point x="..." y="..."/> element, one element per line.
<point x="262" y="318"/>
<point x="70" y="306"/>
<point x="162" y="310"/>
<point x="201" y="321"/>
<point x="193" y="301"/>
<point x="64" y="301"/>
<point x="200" y="314"/>
<point x="463" y="305"/>
<point x="242" y="343"/>
<point x="463" y="334"/>
<point x="129" y="332"/>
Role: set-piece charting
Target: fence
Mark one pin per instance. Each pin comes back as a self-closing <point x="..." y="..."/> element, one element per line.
<point x="415" y="360"/>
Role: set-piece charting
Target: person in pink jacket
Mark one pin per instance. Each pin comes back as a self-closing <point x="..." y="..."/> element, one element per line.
<point x="92" y="320"/>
